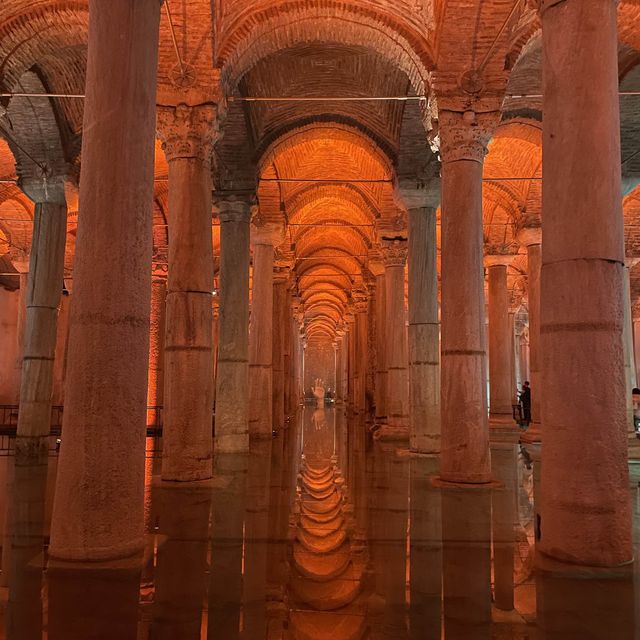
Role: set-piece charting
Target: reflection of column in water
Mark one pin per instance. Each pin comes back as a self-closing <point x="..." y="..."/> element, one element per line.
<point x="256" y="534"/>
<point x="581" y="603"/>
<point x="225" y="586"/>
<point x="100" y="604"/>
<point x="425" y="555"/>
<point x="503" y="462"/>
<point x="181" y="581"/>
<point x="26" y="543"/>
<point x="391" y="540"/>
<point x="466" y="562"/>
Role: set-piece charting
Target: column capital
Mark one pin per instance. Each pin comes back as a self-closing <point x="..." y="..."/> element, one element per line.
<point x="465" y="136"/>
<point x="498" y="259"/>
<point x="360" y="300"/>
<point x="233" y="207"/>
<point x="188" y="132"/>
<point x="394" y="252"/>
<point x="264" y="231"/>
<point x="46" y="186"/>
<point x="420" y="194"/>
<point x="530" y="234"/>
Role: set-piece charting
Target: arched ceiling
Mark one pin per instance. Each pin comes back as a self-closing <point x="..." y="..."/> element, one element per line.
<point x="327" y="168"/>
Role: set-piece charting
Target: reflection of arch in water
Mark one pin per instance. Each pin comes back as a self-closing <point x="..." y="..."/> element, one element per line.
<point x="326" y="585"/>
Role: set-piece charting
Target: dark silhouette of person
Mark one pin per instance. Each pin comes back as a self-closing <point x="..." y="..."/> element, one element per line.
<point x="525" y="401"/>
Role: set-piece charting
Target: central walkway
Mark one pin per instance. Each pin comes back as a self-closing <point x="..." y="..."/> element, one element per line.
<point x="320" y="533"/>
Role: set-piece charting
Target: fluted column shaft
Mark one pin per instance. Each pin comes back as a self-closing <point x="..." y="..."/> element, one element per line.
<point x="586" y="511"/>
<point x="188" y="134"/>
<point x="424" y="332"/>
<point x="465" y="430"/>
<point x="106" y="387"/>
<point x="232" y="381"/>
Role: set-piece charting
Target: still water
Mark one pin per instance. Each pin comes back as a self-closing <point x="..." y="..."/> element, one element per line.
<point x="319" y="534"/>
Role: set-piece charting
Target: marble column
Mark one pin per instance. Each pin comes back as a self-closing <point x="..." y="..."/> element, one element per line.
<point x="106" y="387"/>
<point x="155" y="387"/>
<point x="465" y="429"/>
<point x="629" y="363"/>
<point x="44" y="290"/>
<point x="500" y="341"/>
<point x="62" y="339"/>
<point x="361" y="352"/>
<point x="280" y="279"/>
<point x="513" y="356"/>
<point x="264" y="236"/>
<point x="337" y="348"/>
<point x="20" y="260"/>
<point x="531" y="237"/>
<point x="232" y="382"/>
<point x="636" y="346"/>
<point x="215" y="310"/>
<point x="376" y="267"/>
<point x="188" y="135"/>
<point x="586" y="510"/>
<point x="424" y="332"/>
<point x="350" y="319"/>
<point x="394" y="253"/>
<point x="523" y="351"/>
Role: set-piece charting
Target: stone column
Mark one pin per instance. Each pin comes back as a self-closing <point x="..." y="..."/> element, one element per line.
<point x="465" y="429"/>
<point x="264" y="236"/>
<point x="636" y="346"/>
<point x="155" y="387"/>
<point x="586" y="510"/>
<point x="188" y="135"/>
<point x="20" y="260"/>
<point x="376" y="267"/>
<point x="513" y="355"/>
<point x="215" y="310"/>
<point x="350" y="319"/>
<point x="523" y="347"/>
<point x="500" y="341"/>
<point x="361" y="307"/>
<point x="531" y="237"/>
<point x="424" y="332"/>
<point x="394" y="253"/>
<point x="629" y="362"/>
<point x="280" y="280"/>
<point x="232" y="382"/>
<point x="336" y="344"/>
<point x="62" y="339"/>
<point x="106" y="387"/>
<point x="44" y="290"/>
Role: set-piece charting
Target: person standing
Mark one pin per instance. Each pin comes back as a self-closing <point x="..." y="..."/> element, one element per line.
<point x="525" y="401"/>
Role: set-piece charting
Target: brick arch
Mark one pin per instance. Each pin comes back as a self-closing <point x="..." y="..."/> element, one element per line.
<point x="322" y="131"/>
<point x="269" y="28"/>
<point x="39" y="32"/>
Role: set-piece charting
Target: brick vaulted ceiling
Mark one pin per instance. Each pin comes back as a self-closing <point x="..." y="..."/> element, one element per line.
<point x="325" y="167"/>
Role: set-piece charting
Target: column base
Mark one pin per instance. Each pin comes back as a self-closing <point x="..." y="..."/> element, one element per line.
<point x="427" y="444"/>
<point x="388" y="433"/>
<point x="533" y="434"/>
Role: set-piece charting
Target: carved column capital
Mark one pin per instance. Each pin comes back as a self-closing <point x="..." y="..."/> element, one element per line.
<point x="394" y="252"/>
<point x="465" y="136"/>
<point x="233" y="208"/>
<point x="188" y="132"/>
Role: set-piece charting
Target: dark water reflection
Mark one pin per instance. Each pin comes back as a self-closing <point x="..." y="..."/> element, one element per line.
<point x="316" y="534"/>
